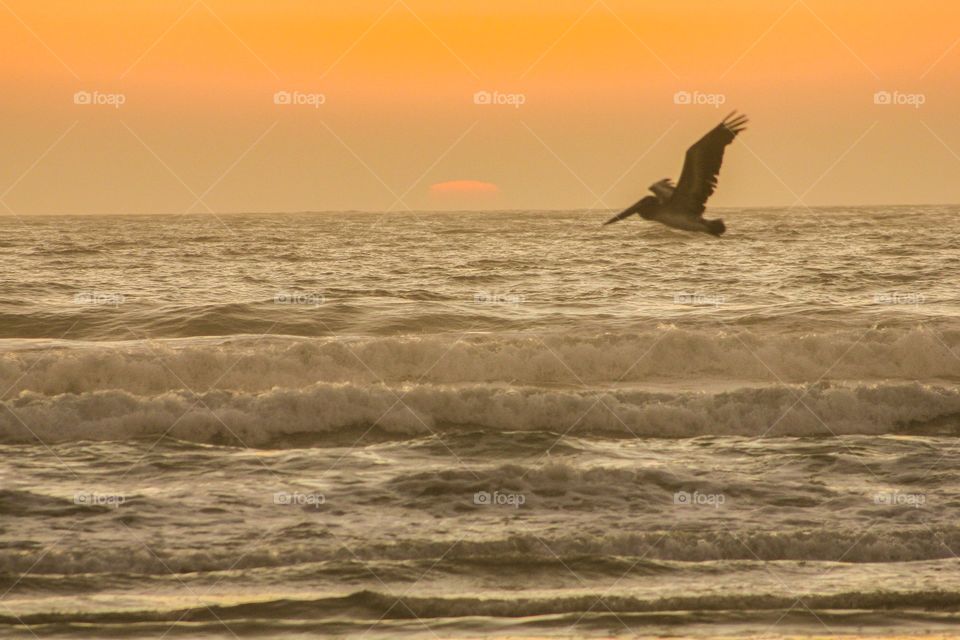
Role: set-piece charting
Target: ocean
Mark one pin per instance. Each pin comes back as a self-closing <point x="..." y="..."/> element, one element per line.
<point x="452" y="425"/>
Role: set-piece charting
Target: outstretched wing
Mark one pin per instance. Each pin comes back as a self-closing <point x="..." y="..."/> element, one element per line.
<point x="663" y="189"/>
<point x="702" y="166"/>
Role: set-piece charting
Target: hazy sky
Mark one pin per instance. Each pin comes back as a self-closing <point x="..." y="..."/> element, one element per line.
<point x="134" y="107"/>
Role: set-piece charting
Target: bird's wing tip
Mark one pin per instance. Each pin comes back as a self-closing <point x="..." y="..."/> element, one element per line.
<point x="735" y="124"/>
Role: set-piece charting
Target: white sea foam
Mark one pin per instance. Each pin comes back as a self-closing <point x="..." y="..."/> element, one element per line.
<point x="666" y="354"/>
<point x="323" y="410"/>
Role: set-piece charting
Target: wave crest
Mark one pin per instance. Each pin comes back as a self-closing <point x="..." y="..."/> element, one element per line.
<point x="667" y="354"/>
<point x="332" y="410"/>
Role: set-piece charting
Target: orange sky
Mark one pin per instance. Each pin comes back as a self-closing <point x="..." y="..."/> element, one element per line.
<point x="379" y="102"/>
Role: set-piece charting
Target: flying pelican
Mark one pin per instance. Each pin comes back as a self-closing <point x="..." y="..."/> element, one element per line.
<point x="681" y="206"/>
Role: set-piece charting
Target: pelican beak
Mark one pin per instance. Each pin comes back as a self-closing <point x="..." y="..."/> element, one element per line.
<point x="626" y="213"/>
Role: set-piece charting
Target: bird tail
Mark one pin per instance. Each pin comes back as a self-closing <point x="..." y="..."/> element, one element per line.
<point x="716" y="227"/>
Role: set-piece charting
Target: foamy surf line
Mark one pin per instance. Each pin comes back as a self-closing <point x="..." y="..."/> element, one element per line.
<point x="373" y="605"/>
<point x="664" y="354"/>
<point x="325" y="410"/>
<point x="643" y="554"/>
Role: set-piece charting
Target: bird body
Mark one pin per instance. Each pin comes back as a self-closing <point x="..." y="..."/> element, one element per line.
<point x="680" y="220"/>
<point x="681" y="206"/>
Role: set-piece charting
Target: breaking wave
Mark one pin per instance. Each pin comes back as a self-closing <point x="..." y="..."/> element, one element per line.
<point x="667" y="354"/>
<point x="668" y="382"/>
<point x="332" y="410"/>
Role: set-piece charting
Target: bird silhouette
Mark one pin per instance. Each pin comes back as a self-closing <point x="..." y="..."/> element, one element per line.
<point x="681" y="206"/>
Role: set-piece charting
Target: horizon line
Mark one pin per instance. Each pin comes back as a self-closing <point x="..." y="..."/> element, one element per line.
<point x="461" y="211"/>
